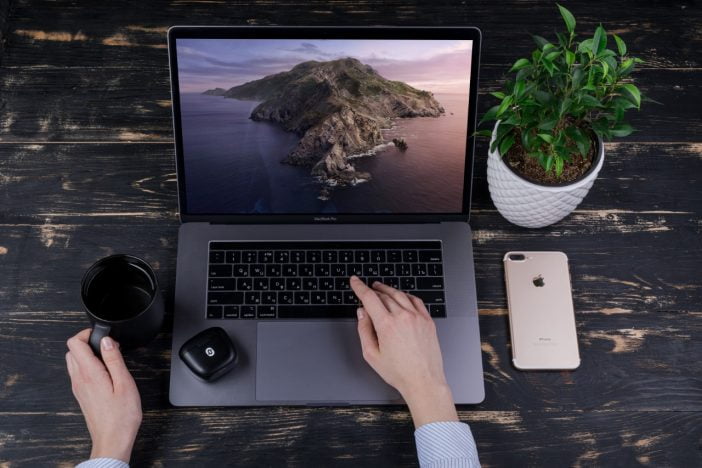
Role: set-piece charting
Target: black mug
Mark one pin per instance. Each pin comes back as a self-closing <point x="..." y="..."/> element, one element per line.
<point x="122" y="299"/>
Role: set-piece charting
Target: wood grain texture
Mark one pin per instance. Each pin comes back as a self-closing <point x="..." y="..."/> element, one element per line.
<point x="86" y="170"/>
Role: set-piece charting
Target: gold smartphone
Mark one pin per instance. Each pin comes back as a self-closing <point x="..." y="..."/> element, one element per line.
<point x="541" y="315"/>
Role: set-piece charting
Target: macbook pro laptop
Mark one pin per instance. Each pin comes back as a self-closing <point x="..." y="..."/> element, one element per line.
<point x="306" y="155"/>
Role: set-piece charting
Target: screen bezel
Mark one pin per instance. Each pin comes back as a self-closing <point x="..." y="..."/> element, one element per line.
<point x="323" y="32"/>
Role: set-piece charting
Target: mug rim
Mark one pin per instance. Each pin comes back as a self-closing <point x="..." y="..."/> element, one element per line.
<point x="149" y="270"/>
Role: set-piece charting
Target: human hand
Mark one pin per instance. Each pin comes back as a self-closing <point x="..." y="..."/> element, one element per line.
<point x="399" y="342"/>
<point x="107" y="395"/>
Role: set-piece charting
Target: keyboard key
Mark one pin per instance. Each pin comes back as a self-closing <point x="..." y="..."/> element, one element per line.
<point x="282" y="256"/>
<point x="248" y="312"/>
<point x="219" y="298"/>
<point x="244" y="284"/>
<point x="217" y="256"/>
<point x="409" y="256"/>
<point x="306" y="270"/>
<point x="341" y="284"/>
<point x="226" y="284"/>
<point x="430" y="255"/>
<point x="329" y="256"/>
<point x="437" y="310"/>
<point x="261" y="284"/>
<point x="297" y="256"/>
<point x="234" y="256"/>
<point x="317" y="297"/>
<point x="435" y="269"/>
<point x="326" y="284"/>
<point x="266" y="312"/>
<point x="302" y="297"/>
<point x="273" y="270"/>
<point x="430" y="297"/>
<point x="346" y="256"/>
<point x="350" y="297"/>
<point x="252" y="297"/>
<point x="265" y="256"/>
<point x="217" y="271"/>
<point x="258" y="270"/>
<point x="214" y="312"/>
<point x="335" y="297"/>
<point x="407" y="283"/>
<point x="240" y="270"/>
<point x="319" y="311"/>
<point x="286" y="297"/>
<point x="321" y="270"/>
<point x="371" y="269"/>
<point x="310" y="284"/>
<point x="430" y="283"/>
<point x="403" y="269"/>
<point x="377" y="256"/>
<point x="419" y="269"/>
<point x="373" y="279"/>
<point x="338" y="269"/>
<point x="387" y="269"/>
<point x="354" y="269"/>
<point x="293" y="284"/>
<point x="394" y="256"/>
<point x="269" y="297"/>
<point x="248" y="257"/>
<point x="314" y="256"/>
<point x="231" y="312"/>
<point x="392" y="281"/>
<point x="361" y="256"/>
<point x="290" y="270"/>
<point x="277" y="284"/>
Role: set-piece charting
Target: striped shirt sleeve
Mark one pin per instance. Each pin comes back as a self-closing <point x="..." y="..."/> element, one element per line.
<point x="103" y="463"/>
<point x="446" y="445"/>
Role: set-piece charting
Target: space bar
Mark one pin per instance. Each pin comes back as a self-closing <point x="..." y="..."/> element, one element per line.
<point x="316" y="311"/>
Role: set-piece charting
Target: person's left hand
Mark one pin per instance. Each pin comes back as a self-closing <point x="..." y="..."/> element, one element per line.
<point x="107" y="395"/>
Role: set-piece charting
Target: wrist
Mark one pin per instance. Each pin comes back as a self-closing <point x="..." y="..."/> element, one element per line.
<point x="431" y="403"/>
<point x="117" y="451"/>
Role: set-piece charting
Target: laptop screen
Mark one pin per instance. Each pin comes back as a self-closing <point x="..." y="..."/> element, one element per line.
<point x="348" y="126"/>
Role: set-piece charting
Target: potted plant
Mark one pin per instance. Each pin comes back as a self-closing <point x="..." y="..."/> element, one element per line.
<point x="563" y="101"/>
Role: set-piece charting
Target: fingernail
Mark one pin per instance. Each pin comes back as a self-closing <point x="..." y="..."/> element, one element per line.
<point x="107" y="343"/>
<point x="354" y="277"/>
<point x="359" y="313"/>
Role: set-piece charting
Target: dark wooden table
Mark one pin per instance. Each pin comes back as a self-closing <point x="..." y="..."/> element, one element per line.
<point x="86" y="169"/>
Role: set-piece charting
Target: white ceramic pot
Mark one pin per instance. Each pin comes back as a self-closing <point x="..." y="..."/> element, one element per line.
<point x="532" y="205"/>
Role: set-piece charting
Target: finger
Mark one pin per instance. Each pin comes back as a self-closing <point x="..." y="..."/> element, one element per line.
<point x="83" y="356"/>
<point x="371" y="302"/>
<point x="419" y="306"/>
<point x="390" y="304"/>
<point x="70" y="365"/>
<point x="112" y="357"/>
<point x="366" y="332"/>
<point x="399" y="297"/>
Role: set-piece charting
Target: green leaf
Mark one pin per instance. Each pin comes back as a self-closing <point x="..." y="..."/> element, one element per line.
<point x="552" y="55"/>
<point x="590" y="101"/>
<point x="599" y="41"/>
<point x="505" y="104"/>
<point x="549" y="163"/>
<point x="626" y="67"/>
<point x="570" y="57"/>
<point x="498" y="94"/>
<point x="568" y="18"/>
<point x="577" y="76"/>
<point x="546" y="137"/>
<point x="483" y="133"/>
<point x="547" y="125"/>
<point x="519" y="64"/>
<point x="621" y="47"/>
<point x="621" y="130"/>
<point x="506" y="144"/>
<point x="491" y="114"/>
<point x="540" y="41"/>
<point x="559" y="166"/>
<point x="518" y="90"/>
<point x="632" y="93"/>
<point x="585" y="46"/>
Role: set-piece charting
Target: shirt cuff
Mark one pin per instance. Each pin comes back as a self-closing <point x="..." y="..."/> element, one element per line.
<point x="103" y="463"/>
<point x="446" y="444"/>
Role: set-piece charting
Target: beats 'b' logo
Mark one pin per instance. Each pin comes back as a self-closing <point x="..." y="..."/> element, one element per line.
<point x="209" y="351"/>
<point x="539" y="281"/>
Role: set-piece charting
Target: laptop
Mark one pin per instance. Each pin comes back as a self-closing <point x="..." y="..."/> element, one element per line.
<point x="306" y="155"/>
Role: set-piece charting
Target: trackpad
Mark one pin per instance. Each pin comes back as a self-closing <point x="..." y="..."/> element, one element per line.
<point x="315" y="362"/>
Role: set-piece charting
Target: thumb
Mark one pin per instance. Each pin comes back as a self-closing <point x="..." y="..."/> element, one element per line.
<point x="114" y="362"/>
<point x="366" y="331"/>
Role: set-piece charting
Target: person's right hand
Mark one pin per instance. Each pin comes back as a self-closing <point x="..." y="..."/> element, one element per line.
<point x="399" y="341"/>
<point x="107" y="395"/>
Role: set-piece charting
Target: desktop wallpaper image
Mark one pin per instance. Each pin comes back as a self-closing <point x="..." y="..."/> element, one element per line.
<point x="324" y="126"/>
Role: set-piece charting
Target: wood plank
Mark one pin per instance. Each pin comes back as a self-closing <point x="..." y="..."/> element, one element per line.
<point x="363" y="436"/>
<point x="4" y="25"/>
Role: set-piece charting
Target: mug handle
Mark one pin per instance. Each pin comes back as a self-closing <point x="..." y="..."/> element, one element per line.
<point x="99" y="332"/>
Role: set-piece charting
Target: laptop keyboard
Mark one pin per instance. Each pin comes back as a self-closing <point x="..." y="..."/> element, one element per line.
<point x="299" y="280"/>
